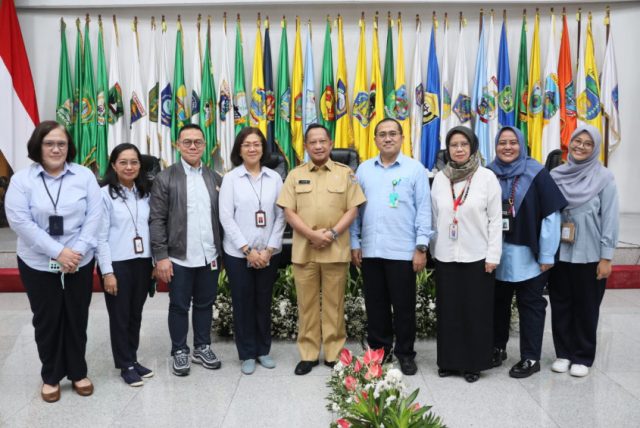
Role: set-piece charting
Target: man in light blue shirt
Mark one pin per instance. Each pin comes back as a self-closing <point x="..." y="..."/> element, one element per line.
<point x="186" y="244"/>
<point x="389" y="241"/>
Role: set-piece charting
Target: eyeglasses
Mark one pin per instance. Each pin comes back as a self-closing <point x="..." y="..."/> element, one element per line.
<point x="463" y="145"/>
<point x="189" y="143"/>
<point x="125" y="163"/>
<point x="248" y="146"/>
<point x="390" y="134"/>
<point x="50" y="144"/>
<point x="585" y="144"/>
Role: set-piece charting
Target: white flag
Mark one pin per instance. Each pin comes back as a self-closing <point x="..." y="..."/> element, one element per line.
<point x="609" y="91"/>
<point x="136" y="100"/>
<point x="417" y="97"/>
<point x="551" y="100"/>
<point x="491" y="93"/>
<point x="445" y="89"/>
<point x="226" y="126"/>
<point x="581" y="83"/>
<point x="152" y="96"/>
<point x="116" y="108"/>
<point x="164" y="103"/>
<point x="196" y="82"/>
<point x="460" y="100"/>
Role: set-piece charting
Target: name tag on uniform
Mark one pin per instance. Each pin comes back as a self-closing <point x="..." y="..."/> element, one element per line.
<point x="568" y="233"/>
<point x="304" y="181"/>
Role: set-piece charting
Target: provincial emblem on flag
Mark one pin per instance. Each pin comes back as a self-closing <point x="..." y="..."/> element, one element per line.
<point x="372" y="102"/>
<point x="240" y="108"/>
<point x="535" y="102"/>
<point x="165" y="101"/>
<point x="223" y="104"/>
<point x="430" y="110"/>
<point x="550" y="94"/>
<point x="361" y="108"/>
<point x="297" y="106"/>
<point x="270" y="106"/>
<point x="257" y="110"/>
<point x="401" y="106"/>
<point x="487" y="107"/>
<point x="505" y="99"/>
<point x="462" y="108"/>
<point x="195" y="103"/>
<point x="87" y="110"/>
<point x="327" y="104"/>
<point x="310" y="107"/>
<point x="64" y="113"/>
<point x="137" y="109"/>
<point x="592" y="107"/>
<point x="181" y="112"/>
<point x="208" y="112"/>
<point x="153" y="103"/>
<point x="100" y="108"/>
<point x="285" y="105"/>
<point x="341" y="100"/>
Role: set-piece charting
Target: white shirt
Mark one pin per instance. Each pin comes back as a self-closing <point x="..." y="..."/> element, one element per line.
<point x="479" y="219"/>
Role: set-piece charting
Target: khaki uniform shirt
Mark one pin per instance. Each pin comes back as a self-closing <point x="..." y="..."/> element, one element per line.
<point x="320" y="196"/>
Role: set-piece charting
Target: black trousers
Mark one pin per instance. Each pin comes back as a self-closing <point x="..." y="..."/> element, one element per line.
<point x="125" y="309"/>
<point x="531" y="308"/>
<point x="390" y="284"/>
<point x="201" y="285"/>
<point x="60" y="317"/>
<point x="251" y="294"/>
<point x="575" y="296"/>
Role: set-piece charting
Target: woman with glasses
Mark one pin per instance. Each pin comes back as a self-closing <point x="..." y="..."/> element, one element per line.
<point x="253" y="226"/>
<point x="124" y="257"/>
<point x="589" y="237"/>
<point x="466" y="214"/>
<point x="54" y="206"/>
<point x="531" y="204"/>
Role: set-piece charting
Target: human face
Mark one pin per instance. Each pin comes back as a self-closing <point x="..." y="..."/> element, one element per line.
<point x="388" y="140"/>
<point x="459" y="148"/>
<point x="127" y="167"/>
<point x="508" y="147"/>
<point x="191" y="146"/>
<point x="54" y="150"/>
<point x="581" y="146"/>
<point x="318" y="146"/>
<point x="251" y="150"/>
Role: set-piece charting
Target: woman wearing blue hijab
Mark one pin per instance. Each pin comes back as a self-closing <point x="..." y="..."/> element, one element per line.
<point x="531" y="204"/>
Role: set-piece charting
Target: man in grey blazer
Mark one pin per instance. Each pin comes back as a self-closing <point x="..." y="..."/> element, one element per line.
<point x="186" y="245"/>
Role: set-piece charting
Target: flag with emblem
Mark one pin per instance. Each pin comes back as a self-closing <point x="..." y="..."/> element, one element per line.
<point x="522" y="82"/>
<point x="551" y="97"/>
<point x="360" y="110"/>
<point x="283" y="102"/>
<point x="138" y="125"/>
<point x="327" y="97"/>
<point x="179" y="112"/>
<point x="225" y="118"/>
<point x="269" y="100"/>
<point x="78" y="69"/>
<point x="115" y="116"/>
<point x="344" y="127"/>
<point x="165" y="105"/>
<point x="102" y="94"/>
<point x="152" y="88"/>
<point x="309" y="107"/>
<point x="416" y="96"/>
<point x="401" y="102"/>
<point x="478" y="108"/>
<point x="376" y="98"/>
<point x="535" y="116"/>
<point x="240" y="106"/>
<point x="445" y="87"/>
<point x="196" y="73"/>
<point x="505" y="92"/>
<point x="88" y="127"/>
<point x="207" y="111"/>
<point x="388" y="79"/>
<point x="460" y="100"/>
<point x="490" y="95"/>
<point x="297" y="134"/>
<point x="64" y="103"/>
<point x="609" y="90"/>
<point x="430" y="141"/>
<point x="566" y="90"/>
<point x="257" y="105"/>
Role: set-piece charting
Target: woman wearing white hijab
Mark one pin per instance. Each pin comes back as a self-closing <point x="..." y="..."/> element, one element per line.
<point x="589" y="238"/>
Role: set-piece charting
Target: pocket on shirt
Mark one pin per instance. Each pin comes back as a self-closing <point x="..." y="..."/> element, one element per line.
<point x="336" y="194"/>
<point x="303" y="194"/>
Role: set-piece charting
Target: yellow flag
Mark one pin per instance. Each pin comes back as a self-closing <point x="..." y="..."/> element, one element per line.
<point x="360" y="110"/>
<point x="297" y="134"/>
<point x="535" y="116"/>
<point x="258" y="106"/>
<point x="402" y="97"/>
<point x="588" y="102"/>
<point x="376" y="98"/>
<point x="344" y="128"/>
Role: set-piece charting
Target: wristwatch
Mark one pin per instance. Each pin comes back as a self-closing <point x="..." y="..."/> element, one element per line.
<point x="422" y="248"/>
<point x="334" y="234"/>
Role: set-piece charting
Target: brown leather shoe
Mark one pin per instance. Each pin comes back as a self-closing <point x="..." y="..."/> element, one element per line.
<point x="83" y="390"/>
<point x="51" y="397"/>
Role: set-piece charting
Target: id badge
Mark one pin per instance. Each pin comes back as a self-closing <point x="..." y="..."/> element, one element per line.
<point x="214" y="264"/>
<point x="393" y="199"/>
<point x="56" y="225"/>
<point x="453" y="231"/>
<point x="568" y="233"/>
<point x="507" y="216"/>
<point x="261" y="219"/>
<point x="54" y="266"/>
<point x="138" y="247"/>
<point x="506" y="224"/>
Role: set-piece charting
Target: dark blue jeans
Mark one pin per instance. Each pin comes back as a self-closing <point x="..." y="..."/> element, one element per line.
<point x="251" y="291"/>
<point x="201" y="285"/>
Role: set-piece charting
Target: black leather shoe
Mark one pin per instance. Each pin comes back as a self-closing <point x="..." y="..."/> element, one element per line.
<point x="524" y="368"/>
<point x="330" y="364"/>
<point x="445" y="372"/>
<point x="408" y="367"/>
<point x="305" y="367"/>
<point x="499" y="355"/>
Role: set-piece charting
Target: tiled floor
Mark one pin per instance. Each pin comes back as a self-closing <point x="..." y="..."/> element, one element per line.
<point x="608" y="397"/>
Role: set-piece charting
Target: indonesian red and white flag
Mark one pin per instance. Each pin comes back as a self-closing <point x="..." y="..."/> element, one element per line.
<point x="18" y="106"/>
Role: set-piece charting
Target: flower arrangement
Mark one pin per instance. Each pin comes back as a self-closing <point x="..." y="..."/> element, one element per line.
<point x="364" y="392"/>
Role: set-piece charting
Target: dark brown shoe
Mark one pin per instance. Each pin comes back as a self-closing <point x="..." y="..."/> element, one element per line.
<point x="85" y="391"/>
<point x="51" y="397"/>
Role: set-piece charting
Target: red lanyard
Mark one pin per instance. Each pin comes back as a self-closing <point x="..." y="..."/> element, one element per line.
<point x="512" y="196"/>
<point x="459" y="200"/>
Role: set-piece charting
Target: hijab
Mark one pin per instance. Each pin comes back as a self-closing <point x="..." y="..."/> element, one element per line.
<point x="581" y="181"/>
<point x="458" y="172"/>
<point x="523" y="167"/>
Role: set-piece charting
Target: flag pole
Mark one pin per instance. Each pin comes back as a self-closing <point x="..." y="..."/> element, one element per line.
<point x="579" y="19"/>
<point x="224" y="22"/>
<point x="480" y="23"/>
<point x="607" y="26"/>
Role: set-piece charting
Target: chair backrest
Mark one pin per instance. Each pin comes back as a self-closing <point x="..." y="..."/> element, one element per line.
<point x="348" y="157"/>
<point x="554" y="159"/>
<point x="277" y="162"/>
<point x="150" y="166"/>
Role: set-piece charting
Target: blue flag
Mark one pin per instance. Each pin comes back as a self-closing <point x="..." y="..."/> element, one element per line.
<point x="478" y="108"/>
<point x="430" y="143"/>
<point x="506" y="112"/>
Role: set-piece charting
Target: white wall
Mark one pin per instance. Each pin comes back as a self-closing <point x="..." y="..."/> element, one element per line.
<point x="40" y="29"/>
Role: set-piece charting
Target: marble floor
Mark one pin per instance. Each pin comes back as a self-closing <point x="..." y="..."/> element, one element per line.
<point x="608" y="397"/>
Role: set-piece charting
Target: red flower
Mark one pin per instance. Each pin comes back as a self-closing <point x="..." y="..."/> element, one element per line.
<point x="345" y="357"/>
<point x="343" y="423"/>
<point x="358" y="366"/>
<point x="416" y="407"/>
<point x="372" y="355"/>
<point x="350" y="383"/>
<point x="375" y="371"/>
<point x="365" y="395"/>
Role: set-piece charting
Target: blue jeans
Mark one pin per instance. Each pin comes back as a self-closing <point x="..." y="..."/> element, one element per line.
<point x="201" y="284"/>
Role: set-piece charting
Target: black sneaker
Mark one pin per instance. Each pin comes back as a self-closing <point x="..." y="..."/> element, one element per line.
<point x="205" y="356"/>
<point x="131" y="377"/>
<point x="181" y="364"/>
<point x="142" y="370"/>
<point x="499" y="355"/>
<point x="524" y="368"/>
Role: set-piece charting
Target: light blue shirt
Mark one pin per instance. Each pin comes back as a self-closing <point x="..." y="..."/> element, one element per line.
<point x="239" y="195"/>
<point x="117" y="230"/>
<point x="381" y="230"/>
<point x="28" y="208"/>
<point x="201" y="249"/>
<point x="518" y="262"/>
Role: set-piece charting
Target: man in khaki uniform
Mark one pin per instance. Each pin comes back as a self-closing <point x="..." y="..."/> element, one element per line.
<point x="320" y="200"/>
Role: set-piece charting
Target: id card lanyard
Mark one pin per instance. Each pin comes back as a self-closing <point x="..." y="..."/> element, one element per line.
<point x="138" y="247"/>
<point x="508" y="208"/>
<point x="260" y="215"/>
<point x="457" y="203"/>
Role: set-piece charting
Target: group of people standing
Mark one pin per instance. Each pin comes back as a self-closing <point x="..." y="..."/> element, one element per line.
<point x="493" y="232"/>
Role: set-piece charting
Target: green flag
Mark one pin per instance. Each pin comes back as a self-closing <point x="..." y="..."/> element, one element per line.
<point x="208" y="99"/>
<point x="102" y="94"/>
<point x="77" y="90"/>
<point x="388" y="80"/>
<point x="283" y="102"/>
<point x="240" y="111"/>
<point x="522" y="85"/>
<point x="180" y="115"/>
<point x="87" y="106"/>
<point x="64" y="104"/>
<point x="328" y="99"/>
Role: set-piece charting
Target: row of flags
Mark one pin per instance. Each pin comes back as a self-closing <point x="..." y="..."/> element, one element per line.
<point x="546" y="103"/>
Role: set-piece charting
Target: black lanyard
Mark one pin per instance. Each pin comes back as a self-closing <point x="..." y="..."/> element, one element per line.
<point x="135" y="221"/>
<point x="254" y="190"/>
<point x="54" y="203"/>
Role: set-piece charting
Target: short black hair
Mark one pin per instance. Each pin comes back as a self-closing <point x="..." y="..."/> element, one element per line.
<point x="34" y="146"/>
<point x="143" y="185"/>
<point x="316" y="126"/>
<point x="387" y="119"/>
<point x="189" y="126"/>
<point x="242" y="135"/>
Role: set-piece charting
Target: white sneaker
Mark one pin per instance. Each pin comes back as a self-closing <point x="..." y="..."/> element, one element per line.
<point x="560" y="365"/>
<point x="579" y="370"/>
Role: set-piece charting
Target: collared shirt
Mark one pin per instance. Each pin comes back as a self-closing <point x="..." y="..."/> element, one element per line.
<point x="518" y="263"/>
<point x="201" y="249"/>
<point x="29" y="207"/>
<point x="596" y="228"/>
<point x="321" y="196"/>
<point x="117" y="230"/>
<point x="383" y="231"/>
<point x="479" y="219"/>
<point x="241" y="196"/>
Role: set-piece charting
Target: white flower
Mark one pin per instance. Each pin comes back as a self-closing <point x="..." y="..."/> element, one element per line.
<point x="394" y="375"/>
<point x="335" y="407"/>
<point x="390" y="400"/>
<point x="282" y="307"/>
<point x="338" y="367"/>
<point x="216" y="313"/>
<point x="432" y="306"/>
